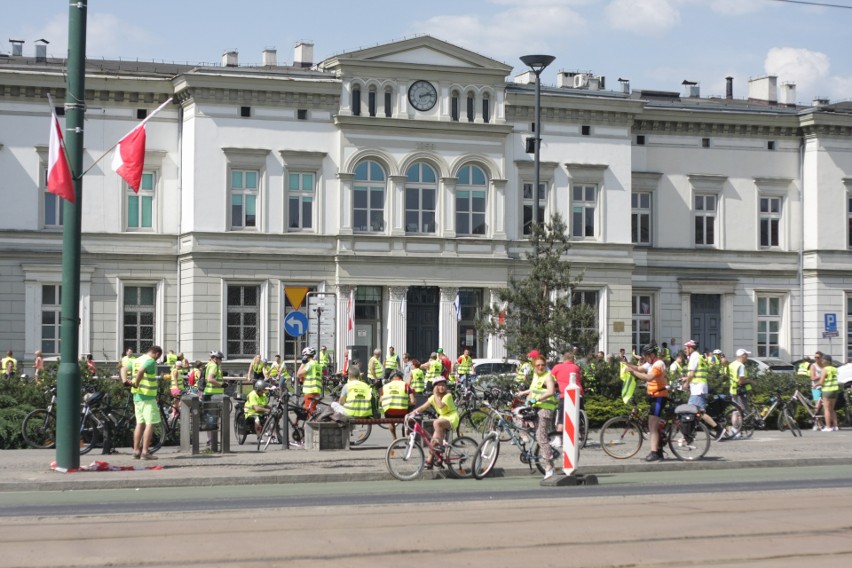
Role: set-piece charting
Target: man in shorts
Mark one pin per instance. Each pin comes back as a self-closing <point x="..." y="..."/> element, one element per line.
<point x="145" y="402"/>
<point x="564" y="374"/>
<point x="656" y="386"/>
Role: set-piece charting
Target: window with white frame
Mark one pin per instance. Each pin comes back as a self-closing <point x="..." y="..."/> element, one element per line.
<point x="300" y="205"/>
<point x="768" y="326"/>
<point x="421" y="190"/>
<point x="770" y="222"/>
<point x="245" y="194"/>
<point x="141" y="205"/>
<point x="588" y="298"/>
<point x="138" y="318"/>
<point x="51" y="312"/>
<point x="643" y="320"/>
<point x="529" y="205"/>
<point x="583" y="211"/>
<point x="640" y="218"/>
<point x="243" y="317"/>
<point x="52" y="218"/>
<point x="369" y="198"/>
<point x="471" y="201"/>
<point x="705" y="219"/>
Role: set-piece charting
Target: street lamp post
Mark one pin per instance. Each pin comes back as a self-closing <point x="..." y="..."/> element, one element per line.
<point x="537" y="64"/>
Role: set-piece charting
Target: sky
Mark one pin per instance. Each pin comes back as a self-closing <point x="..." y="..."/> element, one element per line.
<point x="656" y="44"/>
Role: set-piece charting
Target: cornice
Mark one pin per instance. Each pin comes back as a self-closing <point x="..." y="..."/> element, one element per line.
<point x="376" y="123"/>
<point x="598" y="116"/>
<point x="695" y="128"/>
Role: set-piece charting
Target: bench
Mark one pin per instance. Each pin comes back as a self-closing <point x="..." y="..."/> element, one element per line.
<point x="376" y="420"/>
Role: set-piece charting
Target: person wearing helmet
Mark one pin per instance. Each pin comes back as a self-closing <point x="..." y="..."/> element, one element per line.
<point x="310" y="375"/>
<point x="697" y="371"/>
<point x="257" y="406"/>
<point x="396" y="398"/>
<point x="448" y="416"/>
<point x="656" y="386"/>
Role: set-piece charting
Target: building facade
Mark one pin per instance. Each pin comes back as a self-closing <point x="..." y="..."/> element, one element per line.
<point x="397" y="176"/>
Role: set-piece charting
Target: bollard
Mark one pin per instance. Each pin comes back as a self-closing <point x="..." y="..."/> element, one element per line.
<point x="189" y="423"/>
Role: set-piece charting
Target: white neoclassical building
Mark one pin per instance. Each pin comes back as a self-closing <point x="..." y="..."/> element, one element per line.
<point x="399" y="175"/>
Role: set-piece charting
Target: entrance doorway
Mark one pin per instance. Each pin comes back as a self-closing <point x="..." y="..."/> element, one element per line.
<point x="706" y="315"/>
<point x="421" y="328"/>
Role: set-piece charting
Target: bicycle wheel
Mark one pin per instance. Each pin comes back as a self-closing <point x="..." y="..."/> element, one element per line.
<point x="473" y="423"/>
<point x="787" y="422"/>
<point x="39" y="429"/>
<point x="583" y="430"/>
<point x="491" y="425"/>
<point x="158" y="436"/>
<point x="275" y="434"/>
<point x="404" y="460"/>
<point x="486" y="455"/>
<point x="266" y="432"/>
<point x="621" y="438"/>
<point x="460" y="456"/>
<point x="89" y="434"/>
<point x="689" y="442"/>
<point x="359" y="434"/>
<point x="240" y="430"/>
<point x="747" y="422"/>
<point x="538" y="460"/>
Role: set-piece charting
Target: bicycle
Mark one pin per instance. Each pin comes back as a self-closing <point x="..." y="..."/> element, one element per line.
<point x="472" y="419"/>
<point x="756" y="418"/>
<point x="110" y="426"/>
<point x="813" y="409"/>
<point x="683" y="430"/>
<point x="489" y="449"/>
<point x="296" y="417"/>
<point x="405" y="458"/>
<point x="39" y="426"/>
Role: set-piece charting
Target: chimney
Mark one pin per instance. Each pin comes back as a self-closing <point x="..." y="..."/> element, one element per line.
<point x="41" y="50"/>
<point x="564" y="79"/>
<point x="625" y="85"/>
<point x="303" y="55"/>
<point x="230" y="58"/>
<point x="788" y="94"/>
<point x="729" y="88"/>
<point x="525" y="78"/>
<point x="17" y="47"/>
<point x="269" y="57"/>
<point x="763" y="89"/>
<point x="691" y="89"/>
<point x="820" y="102"/>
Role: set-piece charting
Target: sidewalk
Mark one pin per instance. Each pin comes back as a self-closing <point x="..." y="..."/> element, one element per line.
<point x="29" y="470"/>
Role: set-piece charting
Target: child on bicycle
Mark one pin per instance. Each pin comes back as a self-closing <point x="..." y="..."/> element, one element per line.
<point x="448" y="416"/>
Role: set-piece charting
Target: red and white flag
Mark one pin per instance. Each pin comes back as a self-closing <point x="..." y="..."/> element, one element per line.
<point x="350" y="310"/>
<point x="501" y="316"/>
<point x="129" y="157"/>
<point x="59" y="180"/>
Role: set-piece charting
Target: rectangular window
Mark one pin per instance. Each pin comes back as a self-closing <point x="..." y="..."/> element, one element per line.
<point x="53" y="206"/>
<point x="530" y="205"/>
<point x="770" y="221"/>
<point x="470" y="108"/>
<point x="388" y="106"/>
<point x="140" y="206"/>
<point x="300" y="187"/>
<point x="640" y="140"/>
<point x="243" y="311"/>
<point x="371" y="102"/>
<point x="768" y="326"/>
<point x="419" y="210"/>
<point x="486" y="109"/>
<point x="51" y="312"/>
<point x="454" y="107"/>
<point x="470" y="212"/>
<point x="643" y="320"/>
<point x="244" y="199"/>
<point x="138" y="318"/>
<point x="640" y="218"/>
<point x="705" y="220"/>
<point x="369" y="209"/>
<point x="588" y="298"/>
<point x="583" y="205"/>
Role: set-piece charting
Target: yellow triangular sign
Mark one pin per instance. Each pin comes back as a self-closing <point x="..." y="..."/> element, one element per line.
<point x="296" y="296"/>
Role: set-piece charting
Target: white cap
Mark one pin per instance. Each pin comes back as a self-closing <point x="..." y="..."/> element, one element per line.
<point x="741" y="352"/>
<point x="178" y="364"/>
<point x="717" y="352"/>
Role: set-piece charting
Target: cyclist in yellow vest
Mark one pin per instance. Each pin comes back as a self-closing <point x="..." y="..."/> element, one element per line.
<point x="257" y="406"/>
<point x="392" y="363"/>
<point x="417" y="380"/>
<point x="256" y="369"/>
<point x="464" y="367"/>
<point x="9" y="365"/>
<point x="740" y="387"/>
<point x="356" y="397"/>
<point x="830" y="393"/>
<point x="214" y="383"/>
<point x="171" y="358"/>
<point x="324" y="361"/>
<point x="628" y="382"/>
<point x="310" y="375"/>
<point x="145" y="402"/>
<point x="803" y="371"/>
<point x="542" y="396"/>
<point x="524" y="372"/>
<point x="696" y="380"/>
<point x="375" y="370"/>
<point x="396" y="398"/>
<point x="434" y="368"/>
<point x="125" y="368"/>
<point x="445" y="407"/>
<point x="277" y="371"/>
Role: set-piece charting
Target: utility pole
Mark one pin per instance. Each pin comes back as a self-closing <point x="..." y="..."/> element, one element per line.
<point x="68" y="380"/>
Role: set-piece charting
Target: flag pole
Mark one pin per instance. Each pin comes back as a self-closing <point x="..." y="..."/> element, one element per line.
<point x="140" y="125"/>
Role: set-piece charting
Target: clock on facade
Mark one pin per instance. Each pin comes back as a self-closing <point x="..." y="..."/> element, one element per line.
<point x="422" y="95"/>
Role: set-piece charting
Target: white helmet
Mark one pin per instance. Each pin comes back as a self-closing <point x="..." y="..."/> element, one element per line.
<point x="217" y="354"/>
<point x="309" y="352"/>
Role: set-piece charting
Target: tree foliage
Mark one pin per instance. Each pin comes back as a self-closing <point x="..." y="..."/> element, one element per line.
<point x="535" y="311"/>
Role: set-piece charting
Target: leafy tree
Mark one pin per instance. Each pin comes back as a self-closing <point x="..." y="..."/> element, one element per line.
<point x="538" y="310"/>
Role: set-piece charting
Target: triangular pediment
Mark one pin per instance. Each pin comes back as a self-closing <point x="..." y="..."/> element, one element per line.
<point x="425" y="51"/>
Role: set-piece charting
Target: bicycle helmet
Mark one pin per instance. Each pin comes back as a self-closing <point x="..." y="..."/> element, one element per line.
<point x="395" y="375"/>
<point x="309" y="352"/>
<point x="649" y="349"/>
<point x="217" y="354"/>
<point x="260" y="385"/>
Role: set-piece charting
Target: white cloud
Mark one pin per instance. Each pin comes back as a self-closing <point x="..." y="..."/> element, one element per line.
<point x="110" y="37"/>
<point x="737" y="7"/>
<point x="644" y="17"/>
<point x="808" y="69"/>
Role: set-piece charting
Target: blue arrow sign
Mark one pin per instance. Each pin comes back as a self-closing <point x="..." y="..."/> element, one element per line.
<point x="295" y="324"/>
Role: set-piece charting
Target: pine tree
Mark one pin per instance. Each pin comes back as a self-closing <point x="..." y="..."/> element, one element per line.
<point x="536" y="310"/>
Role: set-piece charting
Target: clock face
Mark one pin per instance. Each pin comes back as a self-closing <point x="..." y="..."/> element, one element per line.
<point x="422" y="95"/>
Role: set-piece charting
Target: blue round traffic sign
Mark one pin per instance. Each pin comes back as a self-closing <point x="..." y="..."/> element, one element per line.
<point x="296" y="324"/>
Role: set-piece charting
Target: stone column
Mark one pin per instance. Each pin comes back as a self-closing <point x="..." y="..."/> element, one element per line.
<point x="344" y="335"/>
<point x="448" y="325"/>
<point x="346" y="202"/>
<point x="395" y="206"/>
<point x="397" y="319"/>
<point x="496" y="344"/>
<point x="446" y="214"/>
<point x="498" y="209"/>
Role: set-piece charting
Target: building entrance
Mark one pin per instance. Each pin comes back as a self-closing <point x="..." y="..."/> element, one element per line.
<point x="706" y="328"/>
<point x="421" y="328"/>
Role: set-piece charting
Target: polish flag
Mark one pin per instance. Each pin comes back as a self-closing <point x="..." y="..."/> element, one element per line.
<point x="501" y="316"/>
<point x="350" y="310"/>
<point x="59" y="179"/>
<point x="129" y="157"/>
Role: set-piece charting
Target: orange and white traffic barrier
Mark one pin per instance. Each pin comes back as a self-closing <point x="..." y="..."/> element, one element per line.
<point x="571" y="423"/>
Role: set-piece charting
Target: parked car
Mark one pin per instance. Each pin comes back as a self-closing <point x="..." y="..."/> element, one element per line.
<point x="484" y="367"/>
<point x="760" y="365"/>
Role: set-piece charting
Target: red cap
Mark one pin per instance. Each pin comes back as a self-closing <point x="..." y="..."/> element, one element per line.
<point x="533" y="354"/>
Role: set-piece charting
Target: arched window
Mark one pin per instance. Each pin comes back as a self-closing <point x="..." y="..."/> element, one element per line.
<point x="368" y="213"/>
<point x="356" y="100"/>
<point x="471" y="110"/>
<point x="486" y="108"/>
<point x="455" y="102"/>
<point x="471" y="193"/>
<point x="388" y="102"/>
<point x="371" y="101"/>
<point x="421" y="191"/>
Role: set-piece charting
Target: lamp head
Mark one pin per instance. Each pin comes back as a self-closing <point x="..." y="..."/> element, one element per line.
<point x="537" y="62"/>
